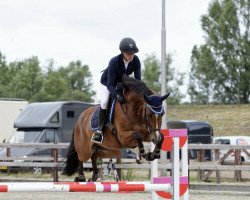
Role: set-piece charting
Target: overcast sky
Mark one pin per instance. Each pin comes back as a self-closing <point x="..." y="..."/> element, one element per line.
<point x="90" y="30"/>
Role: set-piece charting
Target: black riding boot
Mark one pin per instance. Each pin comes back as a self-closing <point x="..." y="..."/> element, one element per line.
<point x="98" y="135"/>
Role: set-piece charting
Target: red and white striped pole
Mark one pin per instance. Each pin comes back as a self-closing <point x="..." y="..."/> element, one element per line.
<point x="83" y="187"/>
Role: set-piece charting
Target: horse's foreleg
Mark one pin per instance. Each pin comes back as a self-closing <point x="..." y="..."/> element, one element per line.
<point x="81" y="176"/>
<point x="138" y="138"/>
<point x="157" y="150"/>
<point x="95" y="174"/>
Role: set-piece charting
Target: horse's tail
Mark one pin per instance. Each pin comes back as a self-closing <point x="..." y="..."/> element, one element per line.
<point x="72" y="161"/>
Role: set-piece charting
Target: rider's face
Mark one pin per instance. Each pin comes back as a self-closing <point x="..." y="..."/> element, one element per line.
<point x="128" y="56"/>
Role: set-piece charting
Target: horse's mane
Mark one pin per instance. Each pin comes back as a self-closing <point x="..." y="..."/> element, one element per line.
<point x="136" y="85"/>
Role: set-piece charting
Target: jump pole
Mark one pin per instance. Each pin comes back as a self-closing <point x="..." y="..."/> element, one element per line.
<point x="83" y="187"/>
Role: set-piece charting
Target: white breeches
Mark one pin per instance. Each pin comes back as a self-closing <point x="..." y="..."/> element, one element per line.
<point x="104" y="96"/>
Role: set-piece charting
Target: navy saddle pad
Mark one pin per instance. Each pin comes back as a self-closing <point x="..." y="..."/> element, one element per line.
<point x="95" y="117"/>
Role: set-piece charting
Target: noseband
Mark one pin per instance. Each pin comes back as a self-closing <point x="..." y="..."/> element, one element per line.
<point x="153" y="109"/>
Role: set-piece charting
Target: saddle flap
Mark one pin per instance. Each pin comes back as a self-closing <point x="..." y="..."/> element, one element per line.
<point x="95" y="117"/>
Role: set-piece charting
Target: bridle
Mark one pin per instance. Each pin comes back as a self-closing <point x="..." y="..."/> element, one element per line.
<point x="156" y="110"/>
<point x="145" y="118"/>
<point x="156" y="113"/>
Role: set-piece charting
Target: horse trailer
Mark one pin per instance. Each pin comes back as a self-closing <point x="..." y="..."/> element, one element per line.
<point x="45" y="122"/>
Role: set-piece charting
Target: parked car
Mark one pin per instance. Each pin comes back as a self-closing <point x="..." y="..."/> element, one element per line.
<point x="233" y="140"/>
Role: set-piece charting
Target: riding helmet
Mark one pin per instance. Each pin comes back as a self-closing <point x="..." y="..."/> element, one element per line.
<point x="127" y="45"/>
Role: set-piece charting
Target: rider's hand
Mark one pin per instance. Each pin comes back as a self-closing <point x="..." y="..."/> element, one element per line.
<point x="121" y="99"/>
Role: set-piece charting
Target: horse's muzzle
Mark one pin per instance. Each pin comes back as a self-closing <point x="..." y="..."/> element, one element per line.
<point x="156" y="136"/>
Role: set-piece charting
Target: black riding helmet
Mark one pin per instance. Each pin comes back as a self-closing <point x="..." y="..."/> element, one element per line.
<point x="127" y="45"/>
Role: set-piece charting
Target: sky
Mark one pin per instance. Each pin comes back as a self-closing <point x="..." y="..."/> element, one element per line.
<point x="90" y="30"/>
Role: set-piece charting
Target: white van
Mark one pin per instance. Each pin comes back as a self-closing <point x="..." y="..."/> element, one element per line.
<point x="233" y="140"/>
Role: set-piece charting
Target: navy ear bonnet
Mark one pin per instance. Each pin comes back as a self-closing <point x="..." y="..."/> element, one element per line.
<point x="155" y="104"/>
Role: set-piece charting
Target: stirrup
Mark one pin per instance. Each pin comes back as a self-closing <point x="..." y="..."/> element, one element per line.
<point x="97" y="136"/>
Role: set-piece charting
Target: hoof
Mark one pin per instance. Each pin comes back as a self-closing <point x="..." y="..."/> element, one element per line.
<point x="77" y="179"/>
<point x="149" y="156"/>
<point x="138" y="161"/>
<point x="138" y="158"/>
<point x="94" y="178"/>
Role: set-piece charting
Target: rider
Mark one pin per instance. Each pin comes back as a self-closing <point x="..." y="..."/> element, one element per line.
<point x="126" y="62"/>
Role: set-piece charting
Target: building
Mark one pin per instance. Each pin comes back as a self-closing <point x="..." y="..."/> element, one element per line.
<point x="9" y="110"/>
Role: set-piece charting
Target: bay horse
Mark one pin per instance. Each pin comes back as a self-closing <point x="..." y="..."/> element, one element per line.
<point x="137" y="121"/>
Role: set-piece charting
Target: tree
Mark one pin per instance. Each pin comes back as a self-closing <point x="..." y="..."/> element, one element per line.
<point x="26" y="78"/>
<point x="220" y="69"/>
<point x="151" y="76"/>
<point x="72" y="82"/>
<point x="151" y="72"/>
<point x="79" y="79"/>
<point x="54" y="88"/>
<point x="4" y="77"/>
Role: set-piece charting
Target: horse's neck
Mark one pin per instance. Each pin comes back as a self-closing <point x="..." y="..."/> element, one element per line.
<point x="139" y="115"/>
<point x="133" y="115"/>
<point x="133" y="97"/>
<point x="136" y="106"/>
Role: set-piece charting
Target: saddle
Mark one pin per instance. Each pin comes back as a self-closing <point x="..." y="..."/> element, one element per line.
<point x="95" y="117"/>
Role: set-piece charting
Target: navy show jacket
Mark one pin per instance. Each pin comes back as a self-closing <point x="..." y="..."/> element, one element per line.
<point x="113" y="73"/>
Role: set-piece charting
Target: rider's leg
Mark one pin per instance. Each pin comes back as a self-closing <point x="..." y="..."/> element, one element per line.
<point x="102" y="117"/>
<point x="98" y="135"/>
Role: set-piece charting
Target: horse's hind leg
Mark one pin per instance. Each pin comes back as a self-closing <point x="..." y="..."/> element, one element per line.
<point x="102" y="153"/>
<point x="81" y="176"/>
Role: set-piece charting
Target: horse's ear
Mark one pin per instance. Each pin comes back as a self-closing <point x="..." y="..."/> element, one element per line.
<point x="165" y="96"/>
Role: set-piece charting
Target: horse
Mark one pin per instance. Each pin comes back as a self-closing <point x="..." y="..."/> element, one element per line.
<point x="134" y="122"/>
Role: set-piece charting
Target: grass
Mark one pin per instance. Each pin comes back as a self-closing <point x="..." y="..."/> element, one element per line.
<point x="128" y="175"/>
<point x="225" y="119"/>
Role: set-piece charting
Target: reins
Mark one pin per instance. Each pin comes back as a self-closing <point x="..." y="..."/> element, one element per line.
<point x="145" y="118"/>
